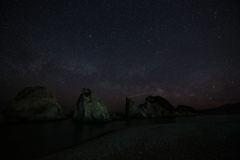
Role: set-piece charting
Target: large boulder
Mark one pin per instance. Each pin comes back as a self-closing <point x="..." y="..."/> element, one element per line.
<point x="156" y="106"/>
<point x="182" y="110"/>
<point x="34" y="103"/>
<point x="90" y="108"/>
<point x="132" y="111"/>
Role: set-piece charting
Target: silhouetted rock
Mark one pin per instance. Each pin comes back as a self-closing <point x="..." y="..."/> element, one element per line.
<point x="90" y="108"/>
<point x="156" y="106"/>
<point x="34" y="103"/>
<point x="182" y="110"/>
<point x="132" y="111"/>
<point x="224" y="109"/>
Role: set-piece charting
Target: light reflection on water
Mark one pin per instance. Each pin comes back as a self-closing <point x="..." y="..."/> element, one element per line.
<point x="25" y="141"/>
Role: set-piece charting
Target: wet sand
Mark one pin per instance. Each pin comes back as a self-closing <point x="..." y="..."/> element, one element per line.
<point x="163" y="141"/>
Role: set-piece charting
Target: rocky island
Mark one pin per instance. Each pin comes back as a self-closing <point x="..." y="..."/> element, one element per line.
<point x="34" y="104"/>
<point x="156" y="106"/>
<point x="90" y="108"/>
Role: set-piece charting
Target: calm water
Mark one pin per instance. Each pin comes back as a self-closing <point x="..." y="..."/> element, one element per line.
<point x="25" y="141"/>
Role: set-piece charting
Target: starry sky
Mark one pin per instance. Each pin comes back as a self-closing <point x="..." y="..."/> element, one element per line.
<point x="185" y="51"/>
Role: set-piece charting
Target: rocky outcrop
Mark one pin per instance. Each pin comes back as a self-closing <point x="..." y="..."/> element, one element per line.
<point x="182" y="110"/>
<point x="132" y="111"/>
<point x="156" y="106"/>
<point x="90" y="108"/>
<point x="34" y="103"/>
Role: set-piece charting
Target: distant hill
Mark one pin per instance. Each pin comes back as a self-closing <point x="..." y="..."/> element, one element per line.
<point x="224" y="109"/>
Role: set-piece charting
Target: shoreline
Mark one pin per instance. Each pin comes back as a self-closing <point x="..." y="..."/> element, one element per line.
<point x="80" y="144"/>
<point x="218" y="140"/>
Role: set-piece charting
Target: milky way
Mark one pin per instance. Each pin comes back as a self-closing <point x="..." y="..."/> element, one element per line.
<point x="185" y="51"/>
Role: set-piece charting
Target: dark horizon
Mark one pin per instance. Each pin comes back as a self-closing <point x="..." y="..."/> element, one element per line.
<point x="187" y="52"/>
<point x="121" y="107"/>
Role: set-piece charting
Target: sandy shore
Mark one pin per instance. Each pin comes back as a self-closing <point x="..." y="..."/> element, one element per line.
<point x="163" y="141"/>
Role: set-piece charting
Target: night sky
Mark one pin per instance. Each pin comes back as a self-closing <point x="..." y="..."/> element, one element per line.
<point x="185" y="51"/>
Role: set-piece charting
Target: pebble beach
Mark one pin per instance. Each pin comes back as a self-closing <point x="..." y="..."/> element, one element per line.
<point x="161" y="141"/>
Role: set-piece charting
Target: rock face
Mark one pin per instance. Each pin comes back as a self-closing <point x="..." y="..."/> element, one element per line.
<point x="156" y="106"/>
<point x="34" y="103"/>
<point x="132" y="111"/>
<point x="182" y="110"/>
<point x="90" y="108"/>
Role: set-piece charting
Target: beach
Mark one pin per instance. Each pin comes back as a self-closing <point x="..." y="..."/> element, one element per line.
<point x="219" y="140"/>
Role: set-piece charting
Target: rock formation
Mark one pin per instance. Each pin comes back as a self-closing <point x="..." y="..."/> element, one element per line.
<point x="182" y="110"/>
<point x="90" y="108"/>
<point x="155" y="106"/>
<point x="34" y="103"/>
<point x="132" y="111"/>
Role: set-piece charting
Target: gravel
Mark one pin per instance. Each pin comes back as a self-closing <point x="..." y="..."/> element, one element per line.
<point x="162" y="141"/>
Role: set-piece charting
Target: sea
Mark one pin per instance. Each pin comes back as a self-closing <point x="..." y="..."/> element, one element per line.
<point x="32" y="140"/>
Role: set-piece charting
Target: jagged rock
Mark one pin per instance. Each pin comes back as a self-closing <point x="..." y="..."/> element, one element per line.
<point x="34" y="103"/>
<point x="90" y="108"/>
<point x="132" y="111"/>
<point x="182" y="110"/>
<point x="156" y="106"/>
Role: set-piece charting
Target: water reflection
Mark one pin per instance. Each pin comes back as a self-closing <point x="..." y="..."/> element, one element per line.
<point x="159" y="120"/>
<point x="25" y="141"/>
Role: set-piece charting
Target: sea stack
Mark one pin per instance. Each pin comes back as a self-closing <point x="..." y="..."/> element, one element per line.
<point x="34" y="104"/>
<point x="132" y="111"/>
<point x="157" y="106"/>
<point x="90" y="108"/>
